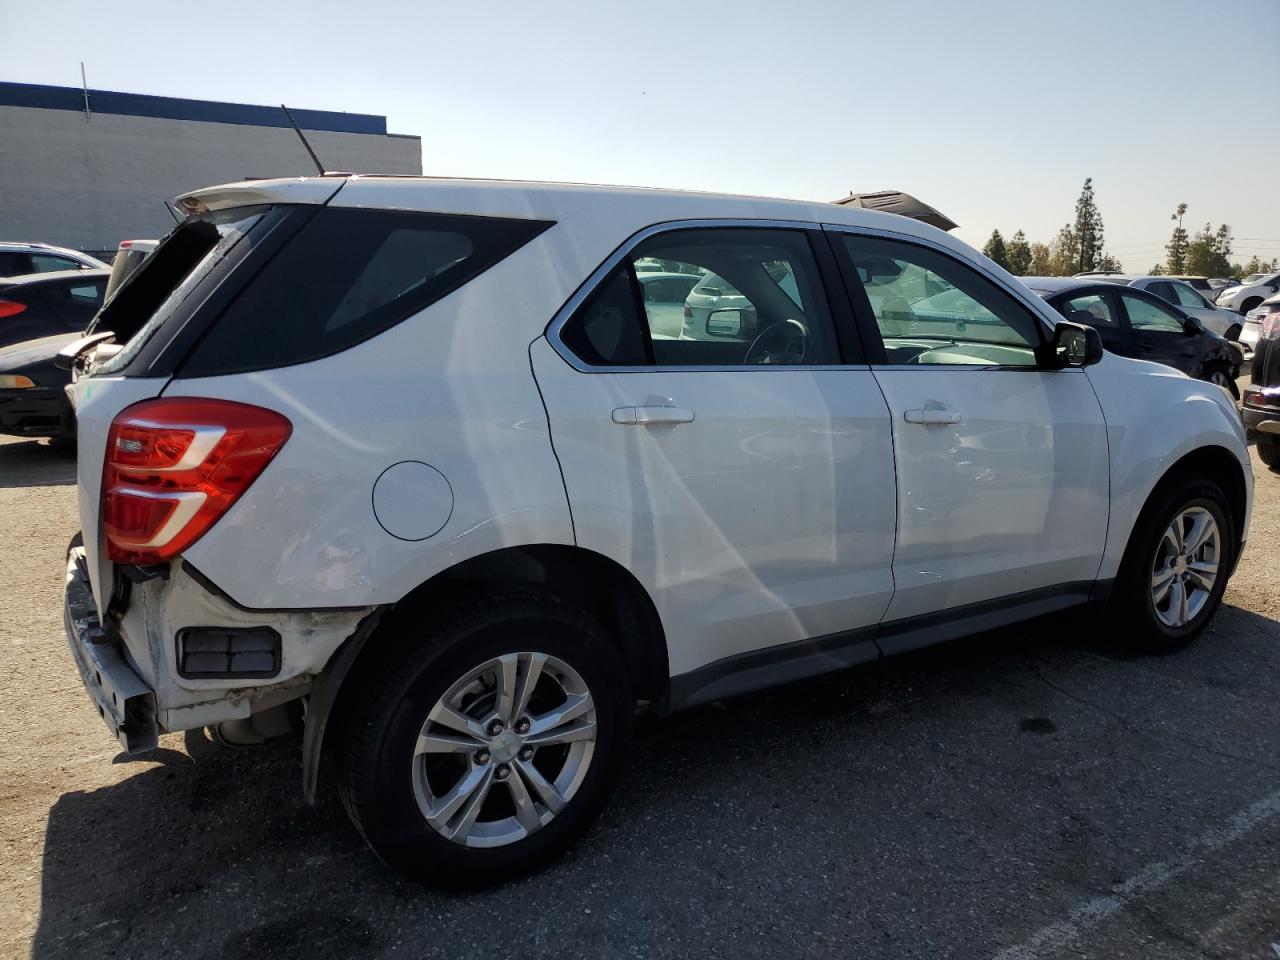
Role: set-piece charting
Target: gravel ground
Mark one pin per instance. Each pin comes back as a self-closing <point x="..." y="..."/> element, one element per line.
<point x="1023" y="794"/>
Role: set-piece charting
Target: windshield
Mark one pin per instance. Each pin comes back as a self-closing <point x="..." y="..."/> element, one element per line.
<point x="165" y="279"/>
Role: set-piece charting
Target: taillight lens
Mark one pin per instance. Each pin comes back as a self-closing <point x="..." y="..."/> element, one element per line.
<point x="11" y="308"/>
<point x="1270" y="322"/>
<point x="175" y="465"/>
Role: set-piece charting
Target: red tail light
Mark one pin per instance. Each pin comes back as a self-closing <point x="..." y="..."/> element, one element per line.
<point x="175" y="465"/>
<point x="11" y="308"/>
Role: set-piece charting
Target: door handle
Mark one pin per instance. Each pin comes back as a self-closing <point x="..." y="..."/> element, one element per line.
<point x="930" y="415"/>
<point x="640" y="416"/>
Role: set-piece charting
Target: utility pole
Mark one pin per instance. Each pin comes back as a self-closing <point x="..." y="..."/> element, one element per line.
<point x="84" y="86"/>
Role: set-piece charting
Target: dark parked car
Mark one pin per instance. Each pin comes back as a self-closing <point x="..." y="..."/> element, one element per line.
<point x="19" y="259"/>
<point x="33" y="398"/>
<point x="1135" y="323"/>
<point x="1262" y="394"/>
<point x="45" y="304"/>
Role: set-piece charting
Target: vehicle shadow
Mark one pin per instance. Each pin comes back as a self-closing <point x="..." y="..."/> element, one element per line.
<point x="36" y="463"/>
<point x="217" y="856"/>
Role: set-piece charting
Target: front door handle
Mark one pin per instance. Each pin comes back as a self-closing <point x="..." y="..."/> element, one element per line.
<point x="640" y="416"/>
<point x="930" y="415"/>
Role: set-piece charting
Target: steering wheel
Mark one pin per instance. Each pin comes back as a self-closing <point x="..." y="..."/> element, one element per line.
<point x="784" y="342"/>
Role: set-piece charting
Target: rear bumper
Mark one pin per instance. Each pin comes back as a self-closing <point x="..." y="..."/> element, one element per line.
<point x="124" y="701"/>
<point x="35" y="413"/>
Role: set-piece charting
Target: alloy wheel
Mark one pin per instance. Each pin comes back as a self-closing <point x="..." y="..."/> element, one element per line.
<point x="1186" y="566"/>
<point x="504" y="749"/>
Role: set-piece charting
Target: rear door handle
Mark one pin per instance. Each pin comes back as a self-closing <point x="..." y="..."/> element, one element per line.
<point x="640" y="416"/>
<point x="931" y="415"/>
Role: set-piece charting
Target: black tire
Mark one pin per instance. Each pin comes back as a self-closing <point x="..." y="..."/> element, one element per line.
<point x="390" y="703"/>
<point x="1132" y="607"/>
<point x="1268" y="450"/>
<point x="1233" y="332"/>
<point x="1249" y="305"/>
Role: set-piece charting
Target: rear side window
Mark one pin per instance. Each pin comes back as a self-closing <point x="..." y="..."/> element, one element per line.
<point x="15" y="264"/>
<point x="347" y="276"/>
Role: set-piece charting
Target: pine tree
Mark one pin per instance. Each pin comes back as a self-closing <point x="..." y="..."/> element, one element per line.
<point x="1208" y="252"/>
<point x="1041" y="260"/>
<point x="1065" y="257"/>
<point x="1019" y="253"/>
<point x="1087" y="230"/>
<point x="1176" y="262"/>
<point x="995" y="251"/>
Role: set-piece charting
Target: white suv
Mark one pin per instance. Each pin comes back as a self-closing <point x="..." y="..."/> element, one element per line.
<point x="404" y="457"/>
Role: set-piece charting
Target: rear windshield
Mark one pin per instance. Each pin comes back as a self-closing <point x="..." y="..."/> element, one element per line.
<point x="346" y="276"/>
<point x="151" y="294"/>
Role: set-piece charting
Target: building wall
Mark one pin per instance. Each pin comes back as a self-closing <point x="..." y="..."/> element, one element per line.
<point x="89" y="182"/>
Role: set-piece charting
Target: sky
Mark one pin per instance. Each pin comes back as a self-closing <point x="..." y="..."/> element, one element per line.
<point x="992" y="111"/>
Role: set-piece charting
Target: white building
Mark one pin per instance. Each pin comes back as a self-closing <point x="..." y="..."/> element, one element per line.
<point x="88" y="178"/>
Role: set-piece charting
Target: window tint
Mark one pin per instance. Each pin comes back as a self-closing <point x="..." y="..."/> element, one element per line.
<point x="1144" y="315"/>
<point x="15" y="264"/>
<point x="607" y="330"/>
<point x="347" y="276"/>
<point x="931" y="309"/>
<point x="87" y="294"/>
<point x="1094" y="310"/>
<point x="1162" y="289"/>
<point x="741" y="296"/>
<point x="47" y="263"/>
<point x="1187" y="297"/>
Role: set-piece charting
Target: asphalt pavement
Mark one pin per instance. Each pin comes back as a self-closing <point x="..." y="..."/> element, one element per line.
<point x="1028" y="793"/>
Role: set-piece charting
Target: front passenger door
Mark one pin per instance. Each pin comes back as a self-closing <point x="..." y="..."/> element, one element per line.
<point x="1002" y="466"/>
<point x="1162" y="336"/>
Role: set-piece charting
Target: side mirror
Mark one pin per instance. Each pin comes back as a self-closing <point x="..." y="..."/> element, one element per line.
<point x="724" y="323"/>
<point x="1192" y="325"/>
<point x="1075" y="345"/>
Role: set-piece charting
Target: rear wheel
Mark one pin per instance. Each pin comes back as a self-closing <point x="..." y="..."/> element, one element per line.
<point x="488" y="747"/>
<point x="1175" y="568"/>
<point x="1249" y="304"/>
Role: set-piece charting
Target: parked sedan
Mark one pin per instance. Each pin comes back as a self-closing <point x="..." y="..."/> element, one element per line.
<point x="33" y="396"/>
<point x="45" y="304"/>
<point x="1135" y="323"/>
<point x="1184" y="295"/>
<point x="1249" y="292"/>
<point x="664" y="297"/>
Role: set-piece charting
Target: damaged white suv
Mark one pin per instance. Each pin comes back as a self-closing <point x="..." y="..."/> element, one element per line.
<point x="425" y="464"/>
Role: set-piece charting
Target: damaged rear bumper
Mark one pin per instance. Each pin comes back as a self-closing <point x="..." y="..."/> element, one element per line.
<point x="123" y="699"/>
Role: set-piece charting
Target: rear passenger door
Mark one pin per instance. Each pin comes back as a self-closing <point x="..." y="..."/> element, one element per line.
<point x="733" y="451"/>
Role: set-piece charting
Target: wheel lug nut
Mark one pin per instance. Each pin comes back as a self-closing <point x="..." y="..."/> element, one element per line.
<point x="495" y="728"/>
<point x="523" y="725"/>
<point x="482" y="756"/>
<point x="526" y="753"/>
<point x="502" y="772"/>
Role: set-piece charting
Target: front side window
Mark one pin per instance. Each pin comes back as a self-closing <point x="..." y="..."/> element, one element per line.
<point x="930" y="309"/>
<point x="1093" y="309"/>
<point x="725" y="297"/>
<point x="1144" y="315"/>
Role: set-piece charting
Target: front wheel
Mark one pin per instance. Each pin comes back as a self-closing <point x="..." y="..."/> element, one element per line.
<point x="1175" y="569"/>
<point x="488" y="747"/>
<point x="1221" y="377"/>
<point x="1233" y="333"/>
<point x="1249" y="305"/>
